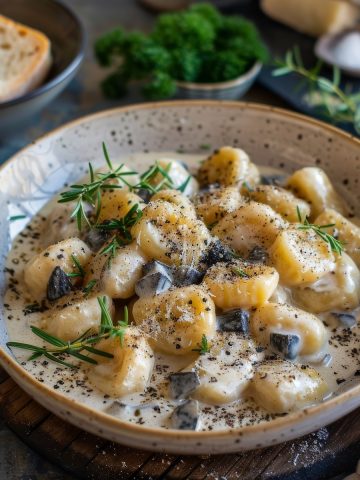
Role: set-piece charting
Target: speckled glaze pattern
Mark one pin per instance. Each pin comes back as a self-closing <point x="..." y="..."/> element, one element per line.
<point x="271" y="136"/>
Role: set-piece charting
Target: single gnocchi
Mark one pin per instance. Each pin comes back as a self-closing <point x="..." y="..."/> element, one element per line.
<point x="251" y="225"/>
<point x="225" y="372"/>
<point x="313" y="185"/>
<point x="240" y="284"/>
<point x="281" y="201"/>
<point x="117" y="275"/>
<point x="279" y="386"/>
<point x="116" y="203"/>
<point x="164" y="233"/>
<point x="282" y="318"/>
<point x="301" y="256"/>
<point x="74" y="316"/>
<point x="176" y="321"/>
<point x="214" y="203"/>
<point x="337" y="290"/>
<point x="129" y="370"/>
<point x="38" y="271"/>
<point x="176" y="198"/>
<point x="343" y="229"/>
<point x="228" y="166"/>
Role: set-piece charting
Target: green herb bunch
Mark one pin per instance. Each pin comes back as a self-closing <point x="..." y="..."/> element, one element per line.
<point x="332" y="102"/>
<point x="195" y="45"/>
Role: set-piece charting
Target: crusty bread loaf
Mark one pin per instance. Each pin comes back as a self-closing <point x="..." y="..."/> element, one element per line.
<point x="314" y="17"/>
<point x="25" y="59"/>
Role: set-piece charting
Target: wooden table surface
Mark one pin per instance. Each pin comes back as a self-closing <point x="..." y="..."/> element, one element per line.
<point x="17" y="461"/>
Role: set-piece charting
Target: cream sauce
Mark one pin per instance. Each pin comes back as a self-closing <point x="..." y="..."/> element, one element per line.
<point x="151" y="408"/>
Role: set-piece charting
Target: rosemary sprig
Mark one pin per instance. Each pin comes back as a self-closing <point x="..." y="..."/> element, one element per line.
<point x="80" y="272"/>
<point x="90" y="193"/>
<point x="335" y="103"/>
<point x="149" y="176"/>
<point x="336" y="245"/>
<point x="14" y="218"/>
<point x="59" y="348"/>
<point x="204" y="346"/>
<point x="183" y="186"/>
<point x="124" y="224"/>
<point x="112" y="247"/>
<point x="240" y="272"/>
<point x="247" y="186"/>
<point x="89" y="287"/>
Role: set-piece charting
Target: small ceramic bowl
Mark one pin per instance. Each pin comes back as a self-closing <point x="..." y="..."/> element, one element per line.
<point x="67" y="38"/>
<point x="230" y="90"/>
<point x="324" y="49"/>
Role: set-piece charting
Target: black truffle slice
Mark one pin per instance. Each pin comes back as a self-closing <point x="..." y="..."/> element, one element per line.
<point x="186" y="275"/>
<point x="96" y="238"/>
<point x="183" y="383"/>
<point x="258" y="255"/>
<point x="216" y="252"/>
<point x="286" y="343"/>
<point x="186" y="416"/>
<point x="234" y="321"/>
<point x="276" y="180"/>
<point x="152" y="284"/>
<point x="157" y="267"/>
<point x="144" y="194"/>
<point x="348" y="320"/>
<point x="59" y="284"/>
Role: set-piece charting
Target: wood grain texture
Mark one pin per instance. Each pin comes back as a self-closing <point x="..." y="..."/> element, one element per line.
<point x="323" y="454"/>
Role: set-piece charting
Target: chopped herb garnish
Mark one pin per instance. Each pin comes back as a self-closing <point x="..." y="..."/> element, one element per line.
<point x="183" y="186"/>
<point x="90" y="193"/>
<point x="123" y="224"/>
<point x="147" y="178"/>
<point x="14" y="218"/>
<point x="112" y="247"/>
<point x="204" y="146"/>
<point x="89" y="287"/>
<point x="204" y="346"/>
<point x="240" y="272"/>
<point x="80" y="272"/>
<point x="84" y="343"/>
<point x="247" y="186"/>
<point x="336" y="245"/>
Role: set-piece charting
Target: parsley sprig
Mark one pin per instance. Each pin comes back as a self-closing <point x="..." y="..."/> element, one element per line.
<point x="204" y="346"/>
<point x="76" y="348"/>
<point x="336" y="245"/>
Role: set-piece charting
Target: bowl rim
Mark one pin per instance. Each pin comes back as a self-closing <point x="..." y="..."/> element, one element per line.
<point x="94" y="415"/>
<point x="250" y="74"/>
<point x="61" y="76"/>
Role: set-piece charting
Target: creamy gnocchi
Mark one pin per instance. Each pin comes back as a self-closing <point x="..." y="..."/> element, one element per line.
<point x="205" y="300"/>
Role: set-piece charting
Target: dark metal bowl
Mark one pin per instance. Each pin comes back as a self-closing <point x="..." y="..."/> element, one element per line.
<point x="67" y="37"/>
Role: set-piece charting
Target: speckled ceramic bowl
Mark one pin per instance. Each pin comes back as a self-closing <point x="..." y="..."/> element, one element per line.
<point x="271" y="136"/>
<point x="67" y="37"/>
<point x="230" y="90"/>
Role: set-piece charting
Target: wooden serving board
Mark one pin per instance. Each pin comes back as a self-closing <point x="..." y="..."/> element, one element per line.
<point x="325" y="454"/>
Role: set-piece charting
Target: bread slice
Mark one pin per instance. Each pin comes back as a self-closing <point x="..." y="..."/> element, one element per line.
<point x="314" y="17"/>
<point x="25" y="59"/>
